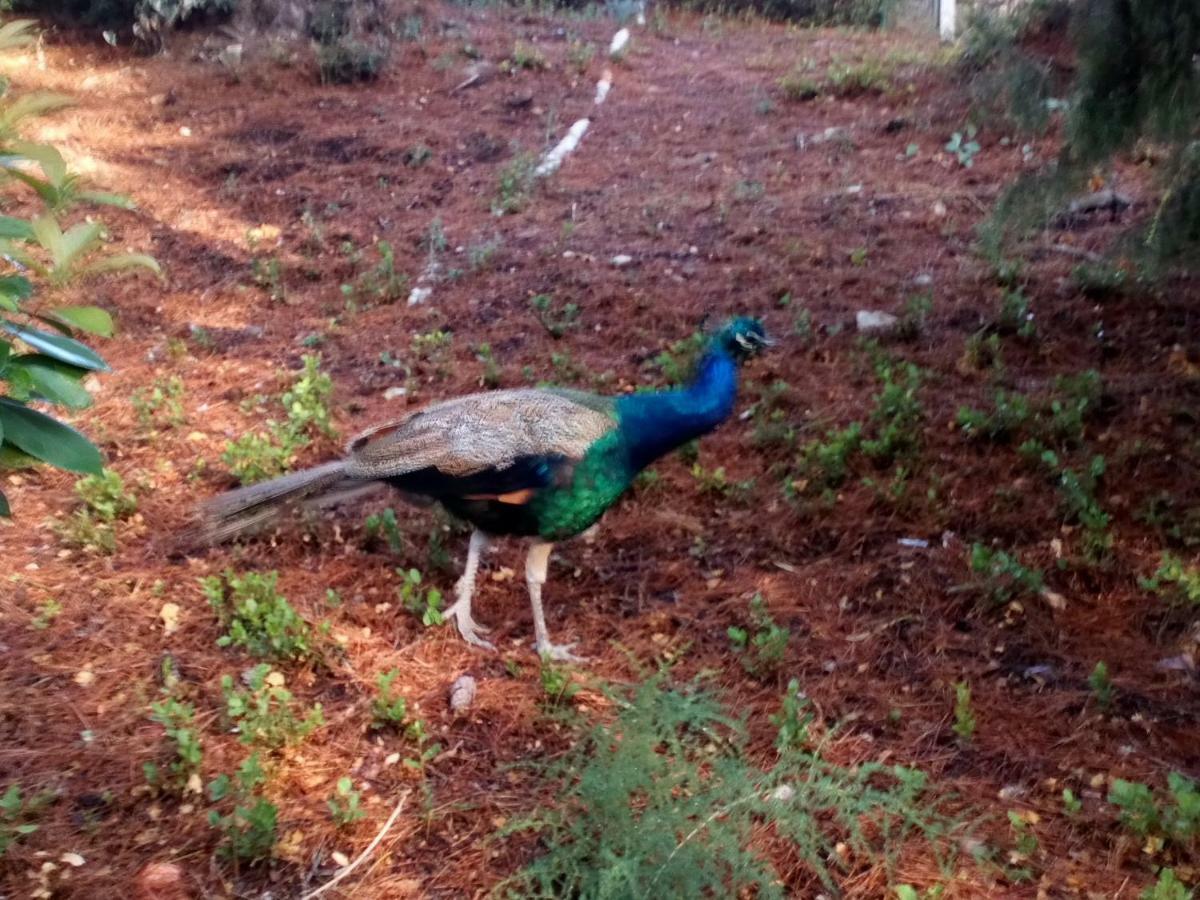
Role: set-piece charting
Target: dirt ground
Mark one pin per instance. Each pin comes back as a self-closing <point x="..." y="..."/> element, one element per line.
<point x="695" y="168"/>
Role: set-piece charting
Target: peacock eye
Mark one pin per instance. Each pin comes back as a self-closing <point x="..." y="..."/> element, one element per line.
<point x="743" y="342"/>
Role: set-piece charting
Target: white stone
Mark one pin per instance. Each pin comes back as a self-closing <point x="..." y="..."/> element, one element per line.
<point x="868" y="320"/>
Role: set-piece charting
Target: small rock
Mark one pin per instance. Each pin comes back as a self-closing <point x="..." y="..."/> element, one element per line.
<point x="161" y="881"/>
<point x="72" y="859"/>
<point x="340" y="858"/>
<point x="462" y="693"/>
<point x="170" y="617"/>
<point x="394" y="393"/>
<point x="873" y="321"/>
<point x="419" y="295"/>
<point x="923" y="280"/>
<point x="939" y="209"/>
<point x="619" y="42"/>
<point x="621" y="260"/>
<point x="85" y="678"/>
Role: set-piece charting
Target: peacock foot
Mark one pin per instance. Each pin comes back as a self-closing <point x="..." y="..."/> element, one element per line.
<point x="467" y="626"/>
<point x="559" y="652"/>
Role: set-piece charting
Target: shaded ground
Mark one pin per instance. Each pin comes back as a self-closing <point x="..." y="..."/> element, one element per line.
<point x="693" y="168"/>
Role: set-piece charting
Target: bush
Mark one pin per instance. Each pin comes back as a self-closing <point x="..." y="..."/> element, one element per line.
<point x="661" y="801"/>
<point x="36" y="363"/>
<point x="347" y="60"/>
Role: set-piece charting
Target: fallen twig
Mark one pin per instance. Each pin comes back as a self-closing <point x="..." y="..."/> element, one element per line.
<point x="358" y="860"/>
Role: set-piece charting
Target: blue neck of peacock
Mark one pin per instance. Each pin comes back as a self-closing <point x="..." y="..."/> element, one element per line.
<point x="655" y="424"/>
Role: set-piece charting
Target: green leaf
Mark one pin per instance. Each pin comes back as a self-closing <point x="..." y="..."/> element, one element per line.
<point x="16" y="287"/>
<point x="5" y="509"/>
<point x="91" y="319"/>
<point x="55" y="382"/>
<point x="48" y="439"/>
<point x="62" y="348"/>
<point x="119" y="261"/>
<point x="77" y="241"/>
<point x="14" y="229"/>
<point x="17" y="33"/>
<point x="51" y="162"/>
<point x="103" y="198"/>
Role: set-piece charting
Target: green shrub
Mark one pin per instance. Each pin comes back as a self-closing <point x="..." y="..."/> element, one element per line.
<point x="388" y="709"/>
<point x="178" y="720"/>
<point x="1174" y="817"/>
<point x="17" y="815"/>
<point x="257" y="617"/>
<point x="1175" y="581"/>
<point x="250" y="829"/>
<point x="662" y="801"/>
<point x="265" y="714"/>
<point x="40" y="364"/>
<point x="762" y="644"/>
<point x="1004" y="576"/>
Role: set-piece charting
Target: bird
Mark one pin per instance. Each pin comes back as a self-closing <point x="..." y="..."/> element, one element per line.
<point x="540" y="463"/>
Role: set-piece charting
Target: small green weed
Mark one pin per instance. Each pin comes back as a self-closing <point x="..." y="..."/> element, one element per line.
<point x="18" y="814"/>
<point x="265" y="714"/>
<point x="258" y="455"/>
<point x="250" y="829"/>
<point x="964" y="715"/>
<point x="799" y="85"/>
<point x="557" y="683"/>
<point x="267" y="273"/>
<point x="1004" y="577"/>
<point x="178" y="720"/>
<point x="916" y="311"/>
<point x="1177" y="583"/>
<point x="557" y="321"/>
<point x="762" y="645"/>
<point x="105" y="503"/>
<point x="1015" y="315"/>
<point x="491" y="376"/>
<point x="679" y="359"/>
<point x="1072" y="805"/>
<point x="345" y="61"/>
<point x="869" y="76"/>
<point x="1167" y="887"/>
<point x="1011" y="412"/>
<point x="424" y="603"/>
<point x="824" y="464"/>
<point x="793" y="719"/>
<point x="161" y="404"/>
<point x="514" y="185"/>
<point x="1101" y="684"/>
<point x="48" y="610"/>
<point x="257" y="617"/>
<point x="1174" y="818"/>
<point x="526" y="56"/>
<point x="388" y="709"/>
<point x="345" y="804"/>
<point x="898" y="415"/>
<point x="963" y="146"/>
<point x="384" y="526"/>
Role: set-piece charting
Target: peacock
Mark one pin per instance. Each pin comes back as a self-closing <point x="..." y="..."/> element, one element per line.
<point x="540" y="463"/>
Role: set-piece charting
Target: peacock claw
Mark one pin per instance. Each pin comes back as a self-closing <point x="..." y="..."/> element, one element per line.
<point x="467" y="626"/>
<point x="559" y="652"/>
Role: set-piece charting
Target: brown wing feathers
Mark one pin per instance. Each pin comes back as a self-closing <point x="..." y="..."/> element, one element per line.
<point x="472" y="435"/>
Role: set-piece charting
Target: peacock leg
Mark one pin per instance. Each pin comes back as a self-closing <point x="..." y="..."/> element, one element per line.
<point x="460" y="611"/>
<point x="536" y="564"/>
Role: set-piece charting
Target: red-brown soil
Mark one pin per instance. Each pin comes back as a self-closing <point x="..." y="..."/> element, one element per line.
<point x="692" y="168"/>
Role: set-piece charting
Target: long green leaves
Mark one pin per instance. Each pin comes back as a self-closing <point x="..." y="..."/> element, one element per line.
<point x="40" y="359"/>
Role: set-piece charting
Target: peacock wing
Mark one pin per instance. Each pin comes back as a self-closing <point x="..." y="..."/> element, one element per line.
<point x="488" y="432"/>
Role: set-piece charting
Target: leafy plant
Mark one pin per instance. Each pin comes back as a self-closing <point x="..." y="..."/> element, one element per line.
<point x="526" y="56"/>
<point x="677" y="362"/>
<point x="424" y="603"/>
<point x="963" y="146"/>
<point x="58" y="189"/>
<point x="916" y="310"/>
<point x="17" y="813"/>
<point x="161" y="404"/>
<point x="1174" y="581"/>
<point x="514" y="185"/>
<point x="1011" y="412"/>
<point x="661" y="800"/>
<point x="388" y="709"/>
<point x="793" y="719"/>
<point x="762" y="645"/>
<point x="178" y="721"/>
<point x="258" y="455"/>
<point x="265" y="714"/>
<point x="105" y="502"/>
<point x="384" y="525"/>
<point x="1167" y="887"/>
<point x="1101" y="684"/>
<point x="1015" y="315"/>
<point x="1004" y="575"/>
<point x="824" y="463"/>
<point x="344" y="805"/>
<point x="257" y="617"/>
<point x="556" y="321"/>
<point x="868" y="76"/>
<point x="250" y="828"/>
<point x="897" y="414"/>
<point x="1174" y="817"/>
<point x="964" y="715"/>
<point x="557" y="683"/>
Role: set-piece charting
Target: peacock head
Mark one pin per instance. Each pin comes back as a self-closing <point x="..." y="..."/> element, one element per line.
<point x="742" y="338"/>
